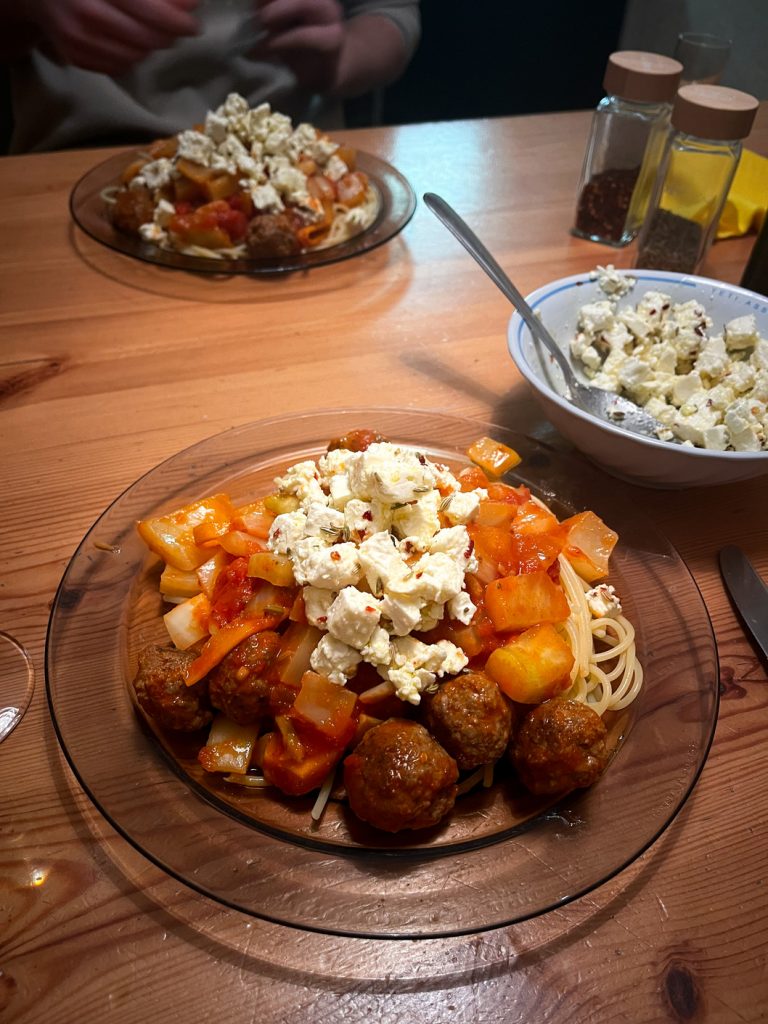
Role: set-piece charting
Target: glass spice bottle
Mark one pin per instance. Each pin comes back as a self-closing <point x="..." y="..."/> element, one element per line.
<point x="699" y="162"/>
<point x="625" y="143"/>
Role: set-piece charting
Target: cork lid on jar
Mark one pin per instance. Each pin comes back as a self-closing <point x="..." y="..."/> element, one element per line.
<point x="714" y="112"/>
<point x="644" y="77"/>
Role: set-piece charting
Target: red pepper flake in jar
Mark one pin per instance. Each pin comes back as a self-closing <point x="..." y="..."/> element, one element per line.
<point x="604" y="204"/>
<point x="335" y="556"/>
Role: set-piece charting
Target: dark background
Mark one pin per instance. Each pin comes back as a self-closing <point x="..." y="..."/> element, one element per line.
<point x="485" y="58"/>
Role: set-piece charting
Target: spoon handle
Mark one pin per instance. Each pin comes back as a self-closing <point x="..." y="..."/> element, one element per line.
<point x="459" y="227"/>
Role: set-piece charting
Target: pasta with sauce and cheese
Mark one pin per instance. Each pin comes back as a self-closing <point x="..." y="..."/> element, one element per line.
<point x="377" y="612"/>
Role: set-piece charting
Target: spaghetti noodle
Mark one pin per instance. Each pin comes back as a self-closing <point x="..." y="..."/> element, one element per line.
<point x="606" y="674"/>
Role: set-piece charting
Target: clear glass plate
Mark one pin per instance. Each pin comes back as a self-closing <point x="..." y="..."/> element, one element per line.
<point x="88" y="209"/>
<point x="501" y="857"/>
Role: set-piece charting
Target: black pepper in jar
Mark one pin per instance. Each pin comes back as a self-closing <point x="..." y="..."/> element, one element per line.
<point x="670" y="242"/>
<point x="604" y="203"/>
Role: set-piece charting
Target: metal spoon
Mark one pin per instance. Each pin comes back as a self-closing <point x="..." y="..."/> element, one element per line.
<point x="603" y="404"/>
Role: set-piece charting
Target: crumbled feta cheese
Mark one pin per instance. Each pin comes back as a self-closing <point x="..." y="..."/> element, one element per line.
<point x="335" y="168"/>
<point x="216" y="126"/>
<point x="157" y="173"/>
<point x="331" y="567"/>
<point x="595" y="317"/>
<point x="740" y="333"/>
<point x="316" y="604"/>
<point x="662" y="356"/>
<point x="302" y="482"/>
<point x="390" y="474"/>
<point x="462" y="506"/>
<point x="603" y="602"/>
<point x="461" y="608"/>
<point x="152" y="232"/>
<point x="286" y="531"/>
<point x="403" y="613"/>
<point x="378" y="650"/>
<point x="324" y="522"/>
<point x="353" y="616"/>
<point x="195" y="146"/>
<point x="610" y="281"/>
<point x="265" y="198"/>
<point x="335" y="659"/>
<point x="420" y="518"/>
<point x="365" y="585"/>
<point x="416" y="665"/>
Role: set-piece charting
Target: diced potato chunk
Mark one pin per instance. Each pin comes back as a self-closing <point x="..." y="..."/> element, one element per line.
<point x="493" y="457"/>
<point x="279" y="503"/>
<point x="495" y="513"/>
<point x="588" y="545"/>
<point x="296" y="776"/>
<point x="275" y="569"/>
<point x="533" y="667"/>
<point x="518" y="602"/>
<point x="172" y="537"/>
<point x="179" y="583"/>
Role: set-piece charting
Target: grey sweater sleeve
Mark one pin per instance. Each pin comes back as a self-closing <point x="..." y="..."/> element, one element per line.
<point x="404" y="13"/>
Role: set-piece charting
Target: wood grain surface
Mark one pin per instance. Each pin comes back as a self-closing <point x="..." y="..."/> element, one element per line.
<point x="107" y="367"/>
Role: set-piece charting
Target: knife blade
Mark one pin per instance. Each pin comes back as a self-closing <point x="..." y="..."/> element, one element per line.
<point x="749" y="593"/>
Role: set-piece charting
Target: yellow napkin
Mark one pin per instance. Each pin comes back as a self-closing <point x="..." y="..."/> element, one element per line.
<point x="747" y="200"/>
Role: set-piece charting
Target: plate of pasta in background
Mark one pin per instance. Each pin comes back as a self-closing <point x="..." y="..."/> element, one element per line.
<point x="244" y="192"/>
<point x="313" y="605"/>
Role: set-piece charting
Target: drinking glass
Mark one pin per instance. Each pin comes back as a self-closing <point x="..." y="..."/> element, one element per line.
<point x="703" y="57"/>
<point x="17" y="681"/>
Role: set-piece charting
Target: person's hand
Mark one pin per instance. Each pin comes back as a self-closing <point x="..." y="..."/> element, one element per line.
<point x="307" y="35"/>
<point x="110" y="36"/>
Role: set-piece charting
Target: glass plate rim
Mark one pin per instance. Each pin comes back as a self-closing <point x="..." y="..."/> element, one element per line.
<point x="671" y="813"/>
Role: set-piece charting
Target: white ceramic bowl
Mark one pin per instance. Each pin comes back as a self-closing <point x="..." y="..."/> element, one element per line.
<point x="632" y="457"/>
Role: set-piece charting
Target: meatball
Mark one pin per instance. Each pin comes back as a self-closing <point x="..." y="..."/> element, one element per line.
<point x="560" y="746"/>
<point x="238" y="685"/>
<point x="162" y="693"/>
<point x="471" y="718"/>
<point x="356" y="440"/>
<point x="132" y="208"/>
<point x="399" y="777"/>
<point x="272" y="234"/>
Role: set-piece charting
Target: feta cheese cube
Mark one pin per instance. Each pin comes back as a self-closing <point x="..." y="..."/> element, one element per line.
<point x="603" y="602"/>
<point x="741" y="333"/>
<point x="316" y="604"/>
<point x="324" y="522"/>
<point x="330" y="568"/>
<point x="334" y="659"/>
<point x="420" y="518"/>
<point x="353" y="616"/>
<point x="286" y="531"/>
<point x="381" y="562"/>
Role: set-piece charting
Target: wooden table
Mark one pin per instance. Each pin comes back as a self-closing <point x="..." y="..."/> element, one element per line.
<point x="108" y="367"/>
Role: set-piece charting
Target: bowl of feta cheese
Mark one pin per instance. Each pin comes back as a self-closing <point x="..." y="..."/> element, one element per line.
<point x="692" y="351"/>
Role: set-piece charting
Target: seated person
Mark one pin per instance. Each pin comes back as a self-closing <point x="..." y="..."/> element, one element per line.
<point x="101" y="72"/>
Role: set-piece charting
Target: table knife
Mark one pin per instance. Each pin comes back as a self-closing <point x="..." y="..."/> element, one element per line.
<point x="749" y="593"/>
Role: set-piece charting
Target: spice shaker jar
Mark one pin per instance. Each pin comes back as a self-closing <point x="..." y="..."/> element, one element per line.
<point x="699" y="162"/>
<point x="626" y="140"/>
